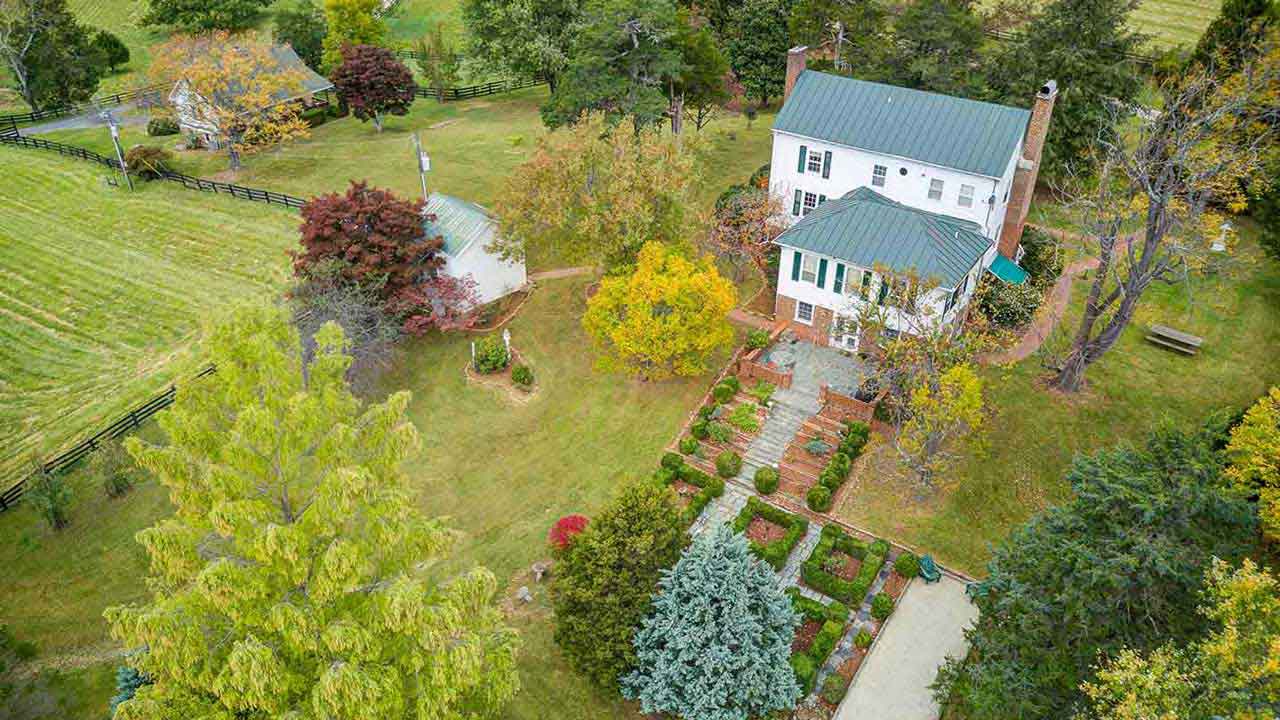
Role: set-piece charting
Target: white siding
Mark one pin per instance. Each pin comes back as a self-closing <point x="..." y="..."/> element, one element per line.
<point x="852" y="168"/>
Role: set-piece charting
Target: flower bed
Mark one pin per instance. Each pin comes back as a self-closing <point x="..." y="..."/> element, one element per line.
<point x="674" y="469"/>
<point x="830" y="619"/>
<point x="775" y="553"/>
<point x="833" y="540"/>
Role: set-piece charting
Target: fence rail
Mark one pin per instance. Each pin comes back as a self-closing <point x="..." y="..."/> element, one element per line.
<point x="244" y="193"/>
<point x="114" y="99"/>
<point x="10" y="136"/>
<point x="474" y="91"/>
<point x="128" y="422"/>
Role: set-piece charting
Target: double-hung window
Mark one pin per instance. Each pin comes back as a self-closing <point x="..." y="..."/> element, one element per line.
<point x="878" y="175"/>
<point x="804" y="312"/>
<point x="815" y="162"/>
<point x="809" y="269"/>
<point x="810" y="202"/>
<point x="935" y="189"/>
<point x="966" y="196"/>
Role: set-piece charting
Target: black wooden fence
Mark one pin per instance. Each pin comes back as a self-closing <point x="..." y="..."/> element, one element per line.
<point x="151" y="92"/>
<point x="474" y="91"/>
<point x="126" y="423"/>
<point x="12" y="137"/>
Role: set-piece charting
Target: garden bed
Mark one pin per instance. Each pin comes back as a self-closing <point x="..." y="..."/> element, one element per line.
<point x="502" y="380"/>
<point x="680" y="476"/>
<point x="818" y="571"/>
<point x="763" y="532"/>
<point x="776" y="551"/>
<point x="821" y="627"/>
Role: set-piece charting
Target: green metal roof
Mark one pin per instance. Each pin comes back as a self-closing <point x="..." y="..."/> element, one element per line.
<point x="952" y="132"/>
<point x="458" y="221"/>
<point x="1007" y="270"/>
<point x="869" y="230"/>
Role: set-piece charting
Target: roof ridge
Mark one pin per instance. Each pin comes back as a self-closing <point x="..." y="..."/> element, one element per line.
<point x="913" y="91"/>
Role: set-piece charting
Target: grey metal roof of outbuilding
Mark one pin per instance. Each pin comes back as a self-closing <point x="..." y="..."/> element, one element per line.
<point x="459" y="222"/>
<point x="968" y="135"/>
<point x="869" y="230"/>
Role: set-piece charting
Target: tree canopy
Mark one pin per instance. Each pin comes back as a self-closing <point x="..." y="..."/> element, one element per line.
<point x="289" y="581"/>
<point x="595" y="194"/>
<point x="523" y="37"/>
<point x="53" y="59"/>
<point x="373" y="83"/>
<point x="717" y="645"/>
<point x="1254" y="457"/>
<point x="757" y="41"/>
<point x="1121" y="565"/>
<point x="669" y="317"/>
<point x="114" y="52"/>
<point x="934" y="46"/>
<point x="350" y="22"/>
<point x="606" y="576"/>
<point x="302" y="26"/>
<point x="204" y="15"/>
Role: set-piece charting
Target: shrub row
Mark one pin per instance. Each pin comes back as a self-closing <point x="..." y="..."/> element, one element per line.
<point x="812" y="609"/>
<point x="833" y="616"/>
<point x="724" y="390"/>
<point x="852" y="442"/>
<point x="776" y="552"/>
<point x="816" y="576"/>
<point x="674" y="468"/>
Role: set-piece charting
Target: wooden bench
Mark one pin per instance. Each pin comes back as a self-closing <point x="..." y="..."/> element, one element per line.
<point x="1175" y="340"/>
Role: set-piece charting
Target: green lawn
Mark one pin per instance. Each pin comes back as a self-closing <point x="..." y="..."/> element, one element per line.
<point x="103" y="291"/>
<point x="1033" y="433"/>
<point x="1168" y="22"/>
<point x="502" y="473"/>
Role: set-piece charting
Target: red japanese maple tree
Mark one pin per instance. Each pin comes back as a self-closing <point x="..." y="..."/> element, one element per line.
<point x="373" y="83"/>
<point x="563" y="532"/>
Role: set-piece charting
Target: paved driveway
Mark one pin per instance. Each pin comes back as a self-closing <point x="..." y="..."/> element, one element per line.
<point x="927" y="627"/>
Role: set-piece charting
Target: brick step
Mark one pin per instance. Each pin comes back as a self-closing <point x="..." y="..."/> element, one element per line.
<point x="828" y="423"/>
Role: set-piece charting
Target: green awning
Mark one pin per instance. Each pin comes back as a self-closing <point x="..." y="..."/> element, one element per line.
<point x="1008" y="271"/>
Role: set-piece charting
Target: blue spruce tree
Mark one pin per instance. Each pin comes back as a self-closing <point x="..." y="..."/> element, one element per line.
<point x="717" y="642"/>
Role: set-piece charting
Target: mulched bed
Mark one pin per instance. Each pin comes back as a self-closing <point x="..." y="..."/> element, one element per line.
<point x="849" y="569"/>
<point x="895" y="585"/>
<point x="849" y="667"/>
<point x="763" y="532"/>
<point x="685" y="492"/>
<point x="805" y="635"/>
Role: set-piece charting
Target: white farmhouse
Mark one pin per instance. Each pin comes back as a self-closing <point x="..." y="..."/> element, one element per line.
<point x="468" y="230"/>
<point x="883" y="183"/>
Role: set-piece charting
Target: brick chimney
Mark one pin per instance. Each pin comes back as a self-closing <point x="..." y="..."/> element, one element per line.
<point x="1024" y="177"/>
<point x="795" y="66"/>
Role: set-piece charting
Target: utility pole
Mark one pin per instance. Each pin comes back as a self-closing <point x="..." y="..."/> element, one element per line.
<point x="424" y="164"/>
<point x="839" y="43"/>
<point x="115" y="140"/>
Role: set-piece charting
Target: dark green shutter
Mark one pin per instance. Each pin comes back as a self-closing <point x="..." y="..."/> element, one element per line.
<point x="822" y="272"/>
<point x="884" y="290"/>
<point x="804" y="157"/>
<point x="796" y="260"/>
<point x="795" y="207"/>
<point x="838" y="285"/>
<point x="826" y="164"/>
<point x="822" y="199"/>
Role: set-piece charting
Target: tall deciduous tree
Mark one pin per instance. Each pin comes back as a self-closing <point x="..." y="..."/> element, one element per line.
<point x="746" y="223"/>
<point x="1160" y="175"/>
<point x="233" y="84"/>
<point x="857" y="29"/>
<point x="350" y="22"/>
<point x="204" y="15"/>
<point x="606" y="576"/>
<point x="1083" y="44"/>
<point x="936" y="417"/>
<point x="51" y="56"/>
<point x="757" y="42"/>
<point x="1254" y="456"/>
<point x="438" y="59"/>
<point x="936" y="44"/>
<point x="302" y="26"/>
<point x="113" y="50"/>
<point x="1121" y="565"/>
<point x="718" y="642"/>
<point x="699" y="87"/>
<point x="667" y="318"/>
<point x="591" y="194"/>
<point x="289" y="582"/>
<point x="623" y="52"/>
<point x="523" y="37"/>
<point x="1230" y="673"/>
<point x="373" y="83"/>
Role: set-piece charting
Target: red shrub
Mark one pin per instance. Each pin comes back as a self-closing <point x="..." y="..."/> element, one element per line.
<point x="565" y="529"/>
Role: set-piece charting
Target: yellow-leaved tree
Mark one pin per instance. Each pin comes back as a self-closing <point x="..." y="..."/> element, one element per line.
<point x="238" y="88"/>
<point x="1253" y="456"/>
<point x="1233" y="672"/>
<point x="666" y="318"/>
<point x="936" y="416"/>
<point x="290" y="581"/>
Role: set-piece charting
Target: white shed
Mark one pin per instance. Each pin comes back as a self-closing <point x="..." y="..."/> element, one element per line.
<point x="468" y="229"/>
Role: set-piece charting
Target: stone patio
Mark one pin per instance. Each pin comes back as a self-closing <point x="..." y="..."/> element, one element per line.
<point x="813" y="366"/>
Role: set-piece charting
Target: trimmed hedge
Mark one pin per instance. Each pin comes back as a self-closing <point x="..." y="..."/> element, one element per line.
<point x="688" y="444"/>
<point x="812" y="609"/>
<point x="833" y="616"/>
<point x="723" y="392"/>
<point x="757" y="339"/>
<point x="838" y="467"/>
<point x="819" y="498"/>
<point x="712" y="487"/>
<point x="850" y="591"/>
<point x="766" y="480"/>
<point x="804" y="669"/>
<point x="881" y="606"/>
<point x="776" y="552"/>
<point x="834" y="688"/>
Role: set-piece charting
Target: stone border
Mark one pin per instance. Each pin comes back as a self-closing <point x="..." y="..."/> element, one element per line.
<point x="502" y="381"/>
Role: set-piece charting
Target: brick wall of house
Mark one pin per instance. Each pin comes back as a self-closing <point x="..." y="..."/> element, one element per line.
<point x="819" y="333"/>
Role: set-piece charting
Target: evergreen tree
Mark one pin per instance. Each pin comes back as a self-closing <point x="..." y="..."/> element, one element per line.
<point x="863" y="24"/>
<point x="935" y="44"/>
<point x="112" y="49"/>
<point x="717" y="645"/>
<point x="699" y="88"/>
<point x="1084" y="45"/>
<point x="603" y="583"/>
<point x="204" y="15"/>
<point x="624" y="51"/>
<point x="290" y="580"/>
<point x="757" y="45"/>
<point x="1121" y="565"/>
<point x="303" y="27"/>
<point x="1240" y="24"/>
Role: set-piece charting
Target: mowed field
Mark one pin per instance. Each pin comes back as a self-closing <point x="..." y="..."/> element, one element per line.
<point x="102" y="292"/>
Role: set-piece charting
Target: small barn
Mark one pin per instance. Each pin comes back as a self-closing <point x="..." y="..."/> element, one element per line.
<point x="468" y="230"/>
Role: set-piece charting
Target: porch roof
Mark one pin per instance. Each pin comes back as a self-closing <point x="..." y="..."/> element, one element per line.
<point x="869" y="230"/>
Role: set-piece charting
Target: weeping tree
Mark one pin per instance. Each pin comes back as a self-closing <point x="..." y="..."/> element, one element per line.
<point x="1155" y="206"/>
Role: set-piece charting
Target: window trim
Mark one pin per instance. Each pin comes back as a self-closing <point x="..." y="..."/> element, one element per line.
<point x="805" y="207"/>
<point x="936" y="185"/>
<point x="813" y="163"/>
<point x="877" y="175"/>
<point x="960" y="199"/>
<point x="812" y="276"/>
<point x="800" y="305"/>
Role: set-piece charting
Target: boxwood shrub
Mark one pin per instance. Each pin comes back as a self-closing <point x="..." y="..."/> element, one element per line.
<point x="728" y="464"/>
<point x="815" y="576"/>
<point x="805" y="671"/>
<point x="819" y="498"/>
<point x="833" y="616"/>
<point x="723" y="392"/>
<point x="766" y="480"/>
<point x="733" y="383"/>
<point x="688" y="444"/>
<point x="757" y="339"/>
<point x="834" y="688"/>
<point x="776" y="552"/>
<point x="672" y="460"/>
<point x="907" y="565"/>
<point x="881" y="606"/>
<point x="708" y="411"/>
<point x="719" y="432"/>
<point x="712" y="487"/>
<point x="699" y="430"/>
